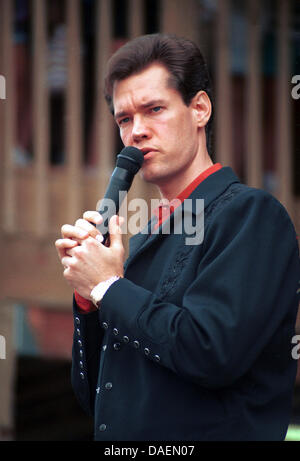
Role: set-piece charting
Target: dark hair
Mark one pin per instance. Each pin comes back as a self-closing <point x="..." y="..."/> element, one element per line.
<point x="181" y="57"/>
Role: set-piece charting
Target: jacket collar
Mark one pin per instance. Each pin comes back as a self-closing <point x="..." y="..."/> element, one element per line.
<point x="208" y="190"/>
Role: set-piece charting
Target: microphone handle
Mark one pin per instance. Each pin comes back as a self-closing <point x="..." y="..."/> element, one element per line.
<point x="120" y="181"/>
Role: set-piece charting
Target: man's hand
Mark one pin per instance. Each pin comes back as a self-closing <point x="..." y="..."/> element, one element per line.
<point x="74" y="235"/>
<point x="86" y="260"/>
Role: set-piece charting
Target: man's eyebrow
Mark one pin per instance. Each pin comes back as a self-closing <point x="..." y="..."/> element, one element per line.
<point x="120" y="114"/>
<point x="146" y="105"/>
<point x="153" y="102"/>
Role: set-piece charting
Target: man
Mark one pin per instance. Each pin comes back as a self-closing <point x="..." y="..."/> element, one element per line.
<point x="187" y="342"/>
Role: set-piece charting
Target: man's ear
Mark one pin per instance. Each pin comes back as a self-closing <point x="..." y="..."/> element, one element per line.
<point x="202" y="108"/>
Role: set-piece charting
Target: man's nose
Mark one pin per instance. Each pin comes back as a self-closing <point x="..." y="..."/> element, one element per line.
<point x="139" y="129"/>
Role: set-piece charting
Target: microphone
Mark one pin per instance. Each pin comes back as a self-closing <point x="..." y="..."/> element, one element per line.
<point x="129" y="161"/>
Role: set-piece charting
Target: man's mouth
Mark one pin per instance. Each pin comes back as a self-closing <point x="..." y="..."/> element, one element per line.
<point x="147" y="152"/>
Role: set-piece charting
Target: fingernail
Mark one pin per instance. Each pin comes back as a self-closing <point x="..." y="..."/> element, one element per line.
<point x="99" y="238"/>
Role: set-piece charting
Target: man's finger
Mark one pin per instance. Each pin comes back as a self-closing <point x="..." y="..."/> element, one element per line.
<point x="93" y="217"/>
<point x="73" y="232"/>
<point x="88" y="227"/>
<point x="115" y="232"/>
<point x="63" y="244"/>
<point x="67" y="261"/>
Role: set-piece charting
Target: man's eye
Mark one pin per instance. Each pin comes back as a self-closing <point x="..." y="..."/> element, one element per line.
<point x="124" y="120"/>
<point x="156" y="109"/>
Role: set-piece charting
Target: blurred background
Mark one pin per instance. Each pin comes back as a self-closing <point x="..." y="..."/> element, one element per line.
<point x="58" y="145"/>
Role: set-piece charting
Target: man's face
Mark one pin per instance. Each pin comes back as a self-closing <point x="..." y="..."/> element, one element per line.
<point x="153" y="117"/>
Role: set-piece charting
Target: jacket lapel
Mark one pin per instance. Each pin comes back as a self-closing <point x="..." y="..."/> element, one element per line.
<point x="139" y="242"/>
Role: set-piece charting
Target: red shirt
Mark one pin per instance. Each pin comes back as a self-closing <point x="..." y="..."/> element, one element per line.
<point x="162" y="213"/>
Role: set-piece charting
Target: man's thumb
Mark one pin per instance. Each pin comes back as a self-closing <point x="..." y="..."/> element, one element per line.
<point x="115" y="232"/>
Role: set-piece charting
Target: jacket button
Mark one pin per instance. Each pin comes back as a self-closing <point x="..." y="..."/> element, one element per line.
<point x="147" y="351"/>
<point x="115" y="331"/>
<point x="78" y="331"/>
<point x="157" y="358"/>
<point x="79" y="343"/>
<point x="77" y="320"/>
<point x="81" y="364"/>
<point x="81" y="375"/>
<point x="108" y="386"/>
<point x="136" y="344"/>
<point x="117" y="346"/>
<point x="102" y="427"/>
<point x="81" y="352"/>
<point x="105" y="325"/>
<point x="125" y="339"/>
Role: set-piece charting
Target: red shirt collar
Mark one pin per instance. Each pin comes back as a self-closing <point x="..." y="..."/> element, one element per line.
<point x="165" y="208"/>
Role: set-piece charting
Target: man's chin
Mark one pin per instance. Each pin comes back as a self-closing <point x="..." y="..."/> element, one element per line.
<point x="150" y="176"/>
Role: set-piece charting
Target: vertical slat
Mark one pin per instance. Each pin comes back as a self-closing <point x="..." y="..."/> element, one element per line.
<point x="224" y="151"/>
<point x="136" y="18"/>
<point x="284" y="154"/>
<point x="9" y="209"/>
<point x="74" y="110"/>
<point x="181" y="18"/>
<point x="104" y="133"/>
<point x="254" y="164"/>
<point x="2" y="103"/>
<point x="136" y="23"/>
<point x="7" y="370"/>
<point x="169" y="20"/>
<point x="40" y="116"/>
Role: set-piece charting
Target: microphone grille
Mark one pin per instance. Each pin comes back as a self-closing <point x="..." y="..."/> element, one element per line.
<point x="131" y="159"/>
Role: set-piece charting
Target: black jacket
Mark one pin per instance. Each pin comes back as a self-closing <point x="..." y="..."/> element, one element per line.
<point x="195" y="342"/>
